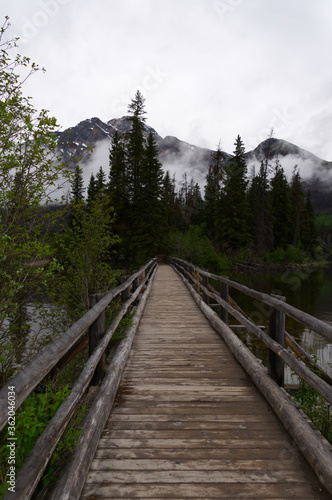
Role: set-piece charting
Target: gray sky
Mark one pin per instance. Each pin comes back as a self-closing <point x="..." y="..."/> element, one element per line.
<point x="209" y="69"/>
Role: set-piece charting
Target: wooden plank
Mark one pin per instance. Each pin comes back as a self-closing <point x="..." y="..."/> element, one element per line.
<point x="188" y="443"/>
<point x="199" y="491"/>
<point x="194" y="476"/>
<point x="136" y="422"/>
<point x="206" y="388"/>
<point x="179" y="454"/>
<point x="200" y="409"/>
<point x="128" y="464"/>
<point x="141" y="419"/>
<point x="180" y="433"/>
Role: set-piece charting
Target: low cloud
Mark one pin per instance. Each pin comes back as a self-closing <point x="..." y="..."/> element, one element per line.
<point x="187" y="159"/>
<point x="307" y="165"/>
<point x="98" y="158"/>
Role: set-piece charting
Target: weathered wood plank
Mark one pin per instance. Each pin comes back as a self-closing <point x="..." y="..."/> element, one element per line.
<point x="179" y="454"/>
<point x="183" y="465"/>
<point x="141" y="419"/>
<point x="236" y="434"/>
<point x="136" y="422"/>
<point x="194" y="476"/>
<point x="137" y="388"/>
<point x="187" y="442"/>
<point x="199" y="491"/>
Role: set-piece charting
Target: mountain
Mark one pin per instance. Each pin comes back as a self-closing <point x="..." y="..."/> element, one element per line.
<point x="76" y="145"/>
<point x="315" y="172"/>
<point x="90" y="140"/>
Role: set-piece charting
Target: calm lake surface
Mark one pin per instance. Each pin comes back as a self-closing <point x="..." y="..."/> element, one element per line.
<point x="309" y="291"/>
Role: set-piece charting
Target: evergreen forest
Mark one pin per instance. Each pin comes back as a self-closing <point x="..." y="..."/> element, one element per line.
<point x="261" y="216"/>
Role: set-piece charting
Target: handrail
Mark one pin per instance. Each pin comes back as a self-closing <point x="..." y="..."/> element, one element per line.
<point x="72" y="480"/>
<point x="31" y="472"/>
<point x="27" y="379"/>
<point x="314" y="446"/>
<point x="306" y="319"/>
<point x="322" y="387"/>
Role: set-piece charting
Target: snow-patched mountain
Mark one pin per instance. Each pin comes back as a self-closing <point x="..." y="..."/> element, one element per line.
<point x="90" y="140"/>
<point x="79" y="143"/>
<point x="315" y="172"/>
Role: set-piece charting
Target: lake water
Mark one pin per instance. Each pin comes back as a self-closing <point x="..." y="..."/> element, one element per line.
<point x="307" y="290"/>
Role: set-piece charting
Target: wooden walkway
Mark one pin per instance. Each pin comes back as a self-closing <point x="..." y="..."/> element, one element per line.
<point x="188" y="422"/>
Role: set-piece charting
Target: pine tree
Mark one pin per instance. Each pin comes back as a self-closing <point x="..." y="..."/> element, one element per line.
<point x="101" y="183"/>
<point x="168" y="202"/>
<point x="91" y="190"/>
<point x="77" y="199"/>
<point x="260" y="216"/>
<point x="309" y="231"/>
<point x="233" y="229"/>
<point x="135" y="144"/>
<point x="77" y="189"/>
<point x="297" y="199"/>
<point x="195" y="202"/>
<point x="282" y="218"/>
<point x="118" y="180"/>
<point x="149" y="223"/>
<point x="212" y="192"/>
<point x="190" y="202"/>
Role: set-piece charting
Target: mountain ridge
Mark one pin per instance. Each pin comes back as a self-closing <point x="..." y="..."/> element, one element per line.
<point x="79" y="143"/>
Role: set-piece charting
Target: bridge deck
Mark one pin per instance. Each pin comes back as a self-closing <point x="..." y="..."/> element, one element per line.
<point x="188" y="422"/>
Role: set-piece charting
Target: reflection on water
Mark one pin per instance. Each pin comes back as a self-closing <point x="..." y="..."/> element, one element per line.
<point x="23" y="337"/>
<point x="309" y="291"/>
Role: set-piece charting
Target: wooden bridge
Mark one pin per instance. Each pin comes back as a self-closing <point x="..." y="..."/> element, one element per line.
<point x="184" y="410"/>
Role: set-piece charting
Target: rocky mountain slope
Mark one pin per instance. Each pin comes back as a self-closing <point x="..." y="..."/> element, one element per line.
<point x="76" y="144"/>
<point x="90" y="140"/>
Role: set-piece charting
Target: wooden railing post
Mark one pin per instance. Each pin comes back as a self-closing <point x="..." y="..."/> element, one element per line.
<point x="186" y="268"/>
<point x="125" y="295"/>
<point x="136" y="284"/>
<point x="277" y="333"/>
<point x="205" y="283"/>
<point x="224" y="291"/>
<point x="96" y="331"/>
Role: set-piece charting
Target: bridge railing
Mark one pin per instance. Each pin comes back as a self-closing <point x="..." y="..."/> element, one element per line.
<point x="314" y="446"/>
<point x="278" y="337"/>
<point x="25" y="381"/>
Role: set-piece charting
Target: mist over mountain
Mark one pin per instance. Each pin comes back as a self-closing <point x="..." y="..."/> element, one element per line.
<point x="315" y="172"/>
<point x="89" y="142"/>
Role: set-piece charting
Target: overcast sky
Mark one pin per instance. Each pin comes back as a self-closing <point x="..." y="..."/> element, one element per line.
<point x="209" y="69"/>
